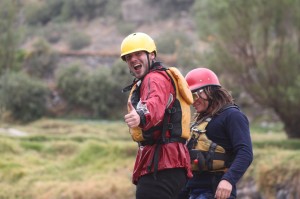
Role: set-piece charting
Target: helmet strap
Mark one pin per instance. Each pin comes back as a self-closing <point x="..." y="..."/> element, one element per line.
<point x="131" y="73"/>
<point x="149" y="65"/>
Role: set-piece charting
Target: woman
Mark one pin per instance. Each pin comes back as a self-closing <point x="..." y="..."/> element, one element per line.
<point x="227" y="127"/>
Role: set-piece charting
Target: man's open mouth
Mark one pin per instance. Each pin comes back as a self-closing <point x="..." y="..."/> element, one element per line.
<point x="137" y="67"/>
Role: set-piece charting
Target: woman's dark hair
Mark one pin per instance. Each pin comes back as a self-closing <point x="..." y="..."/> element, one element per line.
<point x="217" y="97"/>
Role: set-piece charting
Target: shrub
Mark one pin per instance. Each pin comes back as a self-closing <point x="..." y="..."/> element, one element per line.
<point x="23" y="96"/>
<point x="79" y="9"/>
<point x="9" y="35"/>
<point x="44" y="12"/>
<point x="42" y="61"/>
<point x="174" y="7"/>
<point x="69" y="81"/>
<point x="78" y="40"/>
<point x="126" y="28"/>
<point x="54" y="32"/>
<point x="40" y="13"/>
<point x="97" y="92"/>
<point x="170" y="42"/>
<point x="105" y="95"/>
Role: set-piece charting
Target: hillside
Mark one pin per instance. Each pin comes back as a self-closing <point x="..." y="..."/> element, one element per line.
<point x="105" y="37"/>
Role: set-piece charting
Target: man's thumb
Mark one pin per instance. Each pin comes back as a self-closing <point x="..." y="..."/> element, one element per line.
<point x="130" y="106"/>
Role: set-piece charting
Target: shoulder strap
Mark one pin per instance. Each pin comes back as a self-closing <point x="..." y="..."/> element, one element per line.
<point x="201" y="128"/>
<point x="196" y="131"/>
<point x="129" y="87"/>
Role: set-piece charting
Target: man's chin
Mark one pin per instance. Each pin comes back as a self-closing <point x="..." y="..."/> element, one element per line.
<point x="139" y="75"/>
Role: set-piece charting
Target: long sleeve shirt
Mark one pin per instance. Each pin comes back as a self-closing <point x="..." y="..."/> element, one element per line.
<point x="230" y="129"/>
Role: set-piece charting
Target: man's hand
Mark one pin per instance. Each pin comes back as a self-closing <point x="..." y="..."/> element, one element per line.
<point x="132" y="119"/>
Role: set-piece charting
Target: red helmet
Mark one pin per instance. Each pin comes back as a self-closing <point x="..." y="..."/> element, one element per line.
<point x="201" y="77"/>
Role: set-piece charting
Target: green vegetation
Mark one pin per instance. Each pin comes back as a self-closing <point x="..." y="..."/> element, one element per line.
<point x="256" y="43"/>
<point x="22" y="97"/>
<point x="41" y="61"/>
<point x="9" y="35"/>
<point x="78" y="40"/>
<point x="97" y="91"/>
<point x="276" y="160"/>
<point x="94" y="159"/>
<point x="44" y="12"/>
<point x="67" y="159"/>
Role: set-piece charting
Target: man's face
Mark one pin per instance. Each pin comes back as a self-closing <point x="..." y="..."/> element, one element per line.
<point x="138" y="63"/>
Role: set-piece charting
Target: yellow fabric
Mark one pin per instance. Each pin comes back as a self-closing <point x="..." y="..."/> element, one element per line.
<point x="185" y="97"/>
<point x="182" y="85"/>
<point x="203" y="144"/>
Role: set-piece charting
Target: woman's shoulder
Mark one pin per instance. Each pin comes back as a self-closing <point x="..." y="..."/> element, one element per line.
<point x="235" y="114"/>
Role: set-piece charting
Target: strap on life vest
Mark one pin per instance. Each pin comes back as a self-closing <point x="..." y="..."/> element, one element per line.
<point x="202" y="129"/>
<point x="129" y="87"/>
<point x="155" y="158"/>
<point x="164" y="140"/>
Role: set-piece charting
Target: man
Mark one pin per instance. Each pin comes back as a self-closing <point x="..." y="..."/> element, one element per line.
<point x="155" y="120"/>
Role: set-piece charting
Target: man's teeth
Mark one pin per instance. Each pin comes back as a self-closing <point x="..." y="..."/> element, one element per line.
<point x="137" y="66"/>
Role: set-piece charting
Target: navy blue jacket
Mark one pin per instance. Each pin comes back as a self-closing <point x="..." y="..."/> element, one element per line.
<point x="230" y="129"/>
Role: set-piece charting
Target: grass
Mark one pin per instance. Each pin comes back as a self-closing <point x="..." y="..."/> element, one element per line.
<point x="276" y="161"/>
<point x="76" y="159"/>
<point x="67" y="159"/>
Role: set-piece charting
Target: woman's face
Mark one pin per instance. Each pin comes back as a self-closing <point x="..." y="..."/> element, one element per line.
<point x="200" y="101"/>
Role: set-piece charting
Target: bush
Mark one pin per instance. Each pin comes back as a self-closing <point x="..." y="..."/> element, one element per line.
<point x="22" y="96"/>
<point x="69" y="81"/>
<point x="79" y="9"/>
<point x="42" y="61"/>
<point x="78" y="40"/>
<point x="43" y="12"/>
<point x="126" y="28"/>
<point x="174" y="7"/>
<point x="105" y="95"/>
<point x="54" y="32"/>
<point x="40" y="13"/>
<point x="171" y="42"/>
<point x="97" y="92"/>
<point x="9" y="35"/>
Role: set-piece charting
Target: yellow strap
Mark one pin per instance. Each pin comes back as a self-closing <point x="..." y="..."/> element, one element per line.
<point x="202" y="126"/>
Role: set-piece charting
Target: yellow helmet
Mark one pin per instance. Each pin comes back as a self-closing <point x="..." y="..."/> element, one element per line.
<point x="137" y="42"/>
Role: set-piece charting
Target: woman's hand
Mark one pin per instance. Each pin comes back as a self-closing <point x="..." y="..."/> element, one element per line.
<point x="223" y="190"/>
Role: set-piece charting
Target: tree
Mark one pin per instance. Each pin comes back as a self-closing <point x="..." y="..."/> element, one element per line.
<point x="258" y="42"/>
<point x="8" y="33"/>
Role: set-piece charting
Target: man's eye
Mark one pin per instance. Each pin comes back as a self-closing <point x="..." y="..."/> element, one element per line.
<point x="127" y="57"/>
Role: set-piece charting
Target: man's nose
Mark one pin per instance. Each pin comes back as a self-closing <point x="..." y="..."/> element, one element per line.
<point x="133" y="57"/>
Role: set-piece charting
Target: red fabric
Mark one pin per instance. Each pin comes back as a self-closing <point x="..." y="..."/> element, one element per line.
<point x="172" y="155"/>
<point x="154" y="94"/>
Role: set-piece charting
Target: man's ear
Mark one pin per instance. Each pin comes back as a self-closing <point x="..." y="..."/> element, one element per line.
<point x="152" y="55"/>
